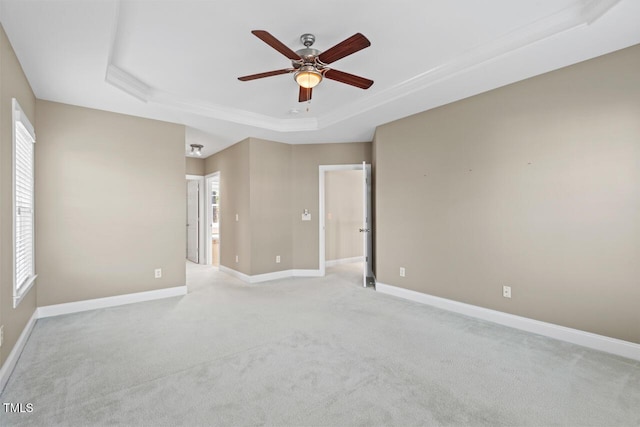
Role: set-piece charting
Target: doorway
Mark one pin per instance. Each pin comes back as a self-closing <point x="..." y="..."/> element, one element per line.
<point x="345" y="217"/>
<point x="213" y="219"/>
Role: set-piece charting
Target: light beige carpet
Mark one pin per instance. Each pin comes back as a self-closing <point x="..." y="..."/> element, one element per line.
<point x="315" y="351"/>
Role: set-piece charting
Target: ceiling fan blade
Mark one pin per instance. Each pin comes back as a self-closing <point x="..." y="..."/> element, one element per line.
<point x="305" y="94"/>
<point x="267" y="74"/>
<point x="346" y="47"/>
<point x="350" y="79"/>
<point x="276" y="44"/>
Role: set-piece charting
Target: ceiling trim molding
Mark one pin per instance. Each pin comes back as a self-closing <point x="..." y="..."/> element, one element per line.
<point x="128" y="83"/>
<point x="135" y="87"/>
<point x="235" y="115"/>
<point x="578" y="14"/>
<point x="594" y="10"/>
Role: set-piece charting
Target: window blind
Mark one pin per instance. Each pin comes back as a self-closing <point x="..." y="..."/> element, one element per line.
<point x="23" y="193"/>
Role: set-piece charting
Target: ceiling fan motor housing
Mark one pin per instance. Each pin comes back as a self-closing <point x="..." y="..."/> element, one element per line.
<point x="309" y="69"/>
<point x="308" y="56"/>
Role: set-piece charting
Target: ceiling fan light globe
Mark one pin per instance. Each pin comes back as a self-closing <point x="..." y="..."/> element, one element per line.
<point x="308" y="78"/>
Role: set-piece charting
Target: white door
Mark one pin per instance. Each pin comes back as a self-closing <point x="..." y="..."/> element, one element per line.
<point x="367" y="249"/>
<point x="192" y="220"/>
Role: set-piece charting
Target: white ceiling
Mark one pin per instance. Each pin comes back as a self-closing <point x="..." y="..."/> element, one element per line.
<point x="179" y="60"/>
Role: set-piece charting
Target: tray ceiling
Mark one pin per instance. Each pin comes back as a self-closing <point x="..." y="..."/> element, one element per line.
<point x="179" y="60"/>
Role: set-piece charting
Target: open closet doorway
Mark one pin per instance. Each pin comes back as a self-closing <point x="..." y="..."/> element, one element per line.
<point x="213" y="219"/>
<point x="345" y="219"/>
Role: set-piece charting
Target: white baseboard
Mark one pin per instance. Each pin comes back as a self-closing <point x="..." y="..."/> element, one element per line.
<point x="258" y="278"/>
<point x="575" y="336"/>
<point x="307" y="273"/>
<point x="12" y="359"/>
<point x="92" y="304"/>
<point x="334" y="262"/>
<point x="235" y="273"/>
<point x="75" y="307"/>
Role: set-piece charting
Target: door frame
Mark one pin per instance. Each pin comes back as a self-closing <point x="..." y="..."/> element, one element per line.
<point x="321" y="211"/>
<point x="207" y="224"/>
<point x="201" y="216"/>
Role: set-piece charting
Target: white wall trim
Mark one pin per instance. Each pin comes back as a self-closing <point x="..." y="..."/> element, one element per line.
<point x="264" y="277"/>
<point x="275" y="275"/>
<point x="12" y="359"/>
<point x="235" y="273"/>
<point x="334" y="262"/>
<point x="307" y="273"/>
<point x="574" y="336"/>
<point x="93" y="304"/>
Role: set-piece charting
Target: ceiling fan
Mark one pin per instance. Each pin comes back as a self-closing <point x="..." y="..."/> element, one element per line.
<point x="310" y="65"/>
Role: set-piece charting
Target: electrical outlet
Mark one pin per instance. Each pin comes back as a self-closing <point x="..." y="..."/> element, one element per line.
<point x="402" y="272"/>
<point x="237" y="258"/>
<point x="277" y="259"/>
<point x="506" y="291"/>
<point x="237" y="217"/>
<point x="158" y="273"/>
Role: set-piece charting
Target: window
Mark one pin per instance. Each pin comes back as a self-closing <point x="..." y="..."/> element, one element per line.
<point x="23" y="204"/>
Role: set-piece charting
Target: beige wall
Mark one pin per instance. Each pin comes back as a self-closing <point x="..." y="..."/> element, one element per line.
<point x="534" y="185"/>
<point x="110" y="204"/>
<point x="13" y="84"/>
<point x="194" y="166"/>
<point x="305" y="193"/>
<point x="235" y="236"/>
<point x="270" y="198"/>
<point x="343" y="209"/>
<point x="274" y="183"/>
